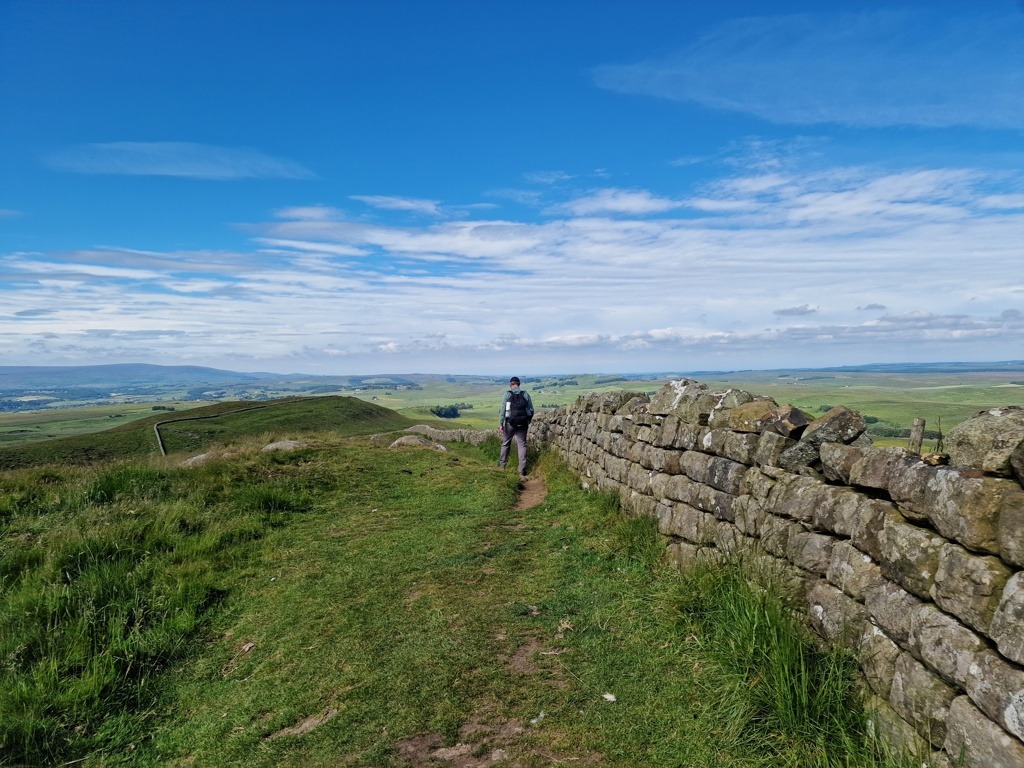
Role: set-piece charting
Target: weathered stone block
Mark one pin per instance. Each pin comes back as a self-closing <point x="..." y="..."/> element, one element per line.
<point x="945" y="645"/>
<point x="678" y="488"/>
<point x="1011" y="529"/>
<point x="875" y="468"/>
<point x="741" y="447"/>
<point x="770" y="447"/>
<point x="878" y="654"/>
<point x="799" y="455"/>
<point x="969" y="586"/>
<point x="714" y="501"/>
<point x="961" y="504"/>
<point x="891" y="607"/>
<point x="749" y="514"/>
<point x="872" y="517"/>
<point x="992" y="441"/>
<point x="659" y="485"/>
<point x="835" y="616"/>
<point x="686" y="399"/>
<point x="798" y="497"/>
<point x="910" y="556"/>
<point x="997" y="688"/>
<point x="894" y="733"/>
<point x="715" y="471"/>
<point x="837" y="459"/>
<point x="751" y="416"/>
<point x="689" y="437"/>
<point x="775" y="532"/>
<point x="757" y="484"/>
<point x="638" y="478"/>
<point x="921" y="698"/>
<point x="728" y="539"/>
<point x="851" y="570"/>
<point x="692" y="524"/>
<point x="977" y="742"/>
<point x="682" y="554"/>
<point x="810" y="551"/>
<point x="1007" y="628"/>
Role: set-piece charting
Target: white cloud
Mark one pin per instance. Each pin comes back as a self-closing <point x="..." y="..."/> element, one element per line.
<point x="631" y="202"/>
<point x="174" y="158"/>
<point x="779" y="273"/>
<point x="920" y="66"/>
<point x="547" y="177"/>
<point x="411" y="204"/>
<point x="8" y="213"/>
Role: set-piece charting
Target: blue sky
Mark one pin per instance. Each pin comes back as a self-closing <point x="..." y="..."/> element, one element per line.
<point x="485" y="187"/>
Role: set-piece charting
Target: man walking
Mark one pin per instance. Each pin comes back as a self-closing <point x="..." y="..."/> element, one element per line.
<point x="516" y="413"/>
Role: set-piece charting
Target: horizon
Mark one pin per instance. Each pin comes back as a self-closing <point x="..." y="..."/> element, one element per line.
<point x="339" y="187"/>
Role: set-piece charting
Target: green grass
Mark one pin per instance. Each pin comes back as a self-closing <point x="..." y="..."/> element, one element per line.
<point x="159" y="615"/>
<point x="69" y="420"/>
<point x="230" y="421"/>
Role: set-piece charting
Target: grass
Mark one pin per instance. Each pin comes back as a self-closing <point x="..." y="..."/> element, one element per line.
<point x="386" y="602"/>
<point x="204" y="427"/>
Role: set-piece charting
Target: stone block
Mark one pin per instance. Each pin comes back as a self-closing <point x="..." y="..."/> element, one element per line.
<point x="752" y="416"/>
<point x="945" y="645"/>
<point x="741" y="447"/>
<point x="689" y="437"/>
<point x="757" y="484"/>
<point x="891" y="607"/>
<point x="714" y="501"/>
<point x="770" y="448"/>
<point x="851" y="570"/>
<point x="921" y="698"/>
<point x="997" y="688"/>
<point x="894" y="733"/>
<point x="877" y="655"/>
<point x="678" y="488"/>
<point x="992" y="441"/>
<point x="974" y="741"/>
<point x="692" y="524"/>
<point x="723" y="474"/>
<point x="1007" y="628"/>
<point x="688" y="400"/>
<point x="969" y="586"/>
<point x="728" y="539"/>
<point x="810" y="551"/>
<point x="659" y="485"/>
<point x="682" y="554"/>
<point x="835" y="616"/>
<point x="962" y="504"/>
<point x="1011" y="529"/>
<point x="638" y="478"/>
<point x="871" y="518"/>
<point x="910" y="556"/>
<point x="875" y="468"/>
<point x="749" y="515"/>
<point x="837" y="459"/>
<point x="642" y="505"/>
<point x="798" y="497"/>
<point x="799" y="455"/>
<point x="775" y="532"/>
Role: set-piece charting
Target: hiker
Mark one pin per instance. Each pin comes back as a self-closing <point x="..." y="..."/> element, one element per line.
<point x="516" y="413"/>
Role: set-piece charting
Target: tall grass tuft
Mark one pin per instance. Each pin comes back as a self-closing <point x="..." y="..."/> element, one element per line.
<point x="780" y="688"/>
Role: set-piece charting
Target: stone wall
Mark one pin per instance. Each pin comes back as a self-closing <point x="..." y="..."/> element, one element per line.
<point x="915" y="565"/>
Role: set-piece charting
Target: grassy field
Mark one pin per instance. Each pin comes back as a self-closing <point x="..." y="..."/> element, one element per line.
<point x="891" y="400"/>
<point x="25" y="427"/>
<point x="349" y="605"/>
<point x="205" y="426"/>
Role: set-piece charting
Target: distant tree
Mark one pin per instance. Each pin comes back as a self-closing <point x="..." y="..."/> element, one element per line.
<point x="445" y="411"/>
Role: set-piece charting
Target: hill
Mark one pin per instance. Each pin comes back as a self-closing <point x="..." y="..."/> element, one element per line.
<point x="202" y="427"/>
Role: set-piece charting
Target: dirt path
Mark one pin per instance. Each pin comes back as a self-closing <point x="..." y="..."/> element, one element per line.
<point x="532" y="492"/>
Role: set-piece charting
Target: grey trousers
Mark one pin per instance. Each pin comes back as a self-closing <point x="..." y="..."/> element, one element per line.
<point x="509" y="434"/>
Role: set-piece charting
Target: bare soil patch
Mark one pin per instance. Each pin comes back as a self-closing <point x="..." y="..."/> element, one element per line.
<point x="532" y="492"/>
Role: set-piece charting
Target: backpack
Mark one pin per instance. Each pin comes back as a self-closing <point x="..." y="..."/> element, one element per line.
<point x="517" y="412"/>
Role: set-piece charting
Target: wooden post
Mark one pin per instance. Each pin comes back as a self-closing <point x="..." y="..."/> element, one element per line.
<point x="916" y="436"/>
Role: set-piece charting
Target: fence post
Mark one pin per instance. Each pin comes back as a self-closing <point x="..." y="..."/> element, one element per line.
<point x="916" y="436"/>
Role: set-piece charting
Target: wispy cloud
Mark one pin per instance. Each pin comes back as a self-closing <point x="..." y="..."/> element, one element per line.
<point x="630" y="202"/>
<point x="8" y="213"/>
<point x="547" y="177"/>
<point x="172" y="158"/>
<point x="925" y="67"/>
<point x="411" y="204"/>
<point x="782" y="268"/>
<point x="803" y="309"/>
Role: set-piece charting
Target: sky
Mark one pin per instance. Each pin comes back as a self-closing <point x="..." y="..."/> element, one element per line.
<point x="511" y="187"/>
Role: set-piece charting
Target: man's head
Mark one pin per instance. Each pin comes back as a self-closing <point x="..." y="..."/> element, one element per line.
<point x="514" y="381"/>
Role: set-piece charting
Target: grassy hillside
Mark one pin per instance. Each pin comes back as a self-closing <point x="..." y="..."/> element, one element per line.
<point x="350" y="605"/>
<point x="218" y="423"/>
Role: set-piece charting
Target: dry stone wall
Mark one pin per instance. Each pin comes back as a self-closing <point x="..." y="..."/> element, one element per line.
<point x="914" y="565"/>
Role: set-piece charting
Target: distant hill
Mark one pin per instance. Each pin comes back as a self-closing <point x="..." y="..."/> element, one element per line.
<point x="32" y="377"/>
<point x="200" y="428"/>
